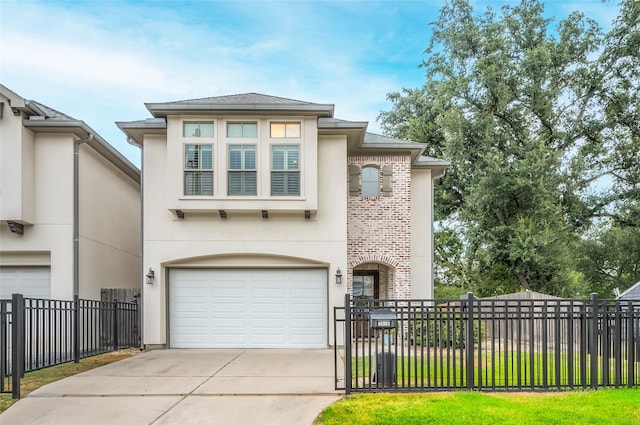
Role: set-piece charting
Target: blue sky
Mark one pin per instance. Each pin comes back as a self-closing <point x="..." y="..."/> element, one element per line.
<point x="100" y="60"/>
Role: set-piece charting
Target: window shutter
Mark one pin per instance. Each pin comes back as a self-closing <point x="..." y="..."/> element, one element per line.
<point x="354" y="180"/>
<point x="387" y="182"/>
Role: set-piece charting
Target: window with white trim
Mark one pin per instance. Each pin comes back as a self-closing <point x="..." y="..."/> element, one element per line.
<point x="242" y="170"/>
<point x="198" y="170"/>
<point x="370" y="181"/>
<point x="197" y="129"/>
<point x="242" y="129"/>
<point x="285" y="170"/>
<point x="285" y="130"/>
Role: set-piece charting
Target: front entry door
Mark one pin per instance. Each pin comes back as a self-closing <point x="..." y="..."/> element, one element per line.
<point x="365" y="288"/>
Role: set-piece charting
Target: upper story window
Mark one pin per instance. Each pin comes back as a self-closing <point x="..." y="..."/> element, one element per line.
<point x="285" y="129"/>
<point x="242" y="129"/>
<point x="370" y="185"/>
<point x="242" y="170"/>
<point x="370" y="181"/>
<point x="198" y="170"/>
<point x="197" y="129"/>
<point x="285" y="170"/>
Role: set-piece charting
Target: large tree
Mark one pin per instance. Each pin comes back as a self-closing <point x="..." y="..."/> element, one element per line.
<point x="540" y="123"/>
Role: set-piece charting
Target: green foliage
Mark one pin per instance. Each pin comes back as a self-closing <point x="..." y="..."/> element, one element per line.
<point x="618" y="407"/>
<point x="444" y="330"/>
<point x="611" y="259"/>
<point x="541" y="124"/>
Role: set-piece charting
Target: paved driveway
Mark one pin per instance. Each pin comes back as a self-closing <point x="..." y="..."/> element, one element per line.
<point x="189" y="387"/>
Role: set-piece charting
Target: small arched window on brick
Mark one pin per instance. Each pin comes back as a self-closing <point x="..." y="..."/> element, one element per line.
<point x="372" y="189"/>
<point x="370" y="181"/>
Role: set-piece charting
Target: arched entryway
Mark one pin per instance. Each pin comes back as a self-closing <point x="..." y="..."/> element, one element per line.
<point x="370" y="281"/>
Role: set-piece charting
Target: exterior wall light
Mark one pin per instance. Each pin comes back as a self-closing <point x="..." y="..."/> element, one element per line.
<point x="151" y="276"/>
<point x="338" y="277"/>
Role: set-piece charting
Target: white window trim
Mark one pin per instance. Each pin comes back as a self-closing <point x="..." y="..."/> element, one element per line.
<point x="198" y="170"/>
<point x="248" y="121"/>
<point x="285" y="122"/>
<point x="198" y="121"/>
<point x="362" y="183"/>
<point x="255" y="170"/>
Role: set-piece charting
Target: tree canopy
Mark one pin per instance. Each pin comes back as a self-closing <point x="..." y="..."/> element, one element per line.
<point x="540" y="121"/>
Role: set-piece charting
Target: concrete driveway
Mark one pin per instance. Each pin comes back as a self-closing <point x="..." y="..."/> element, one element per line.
<point x="189" y="387"/>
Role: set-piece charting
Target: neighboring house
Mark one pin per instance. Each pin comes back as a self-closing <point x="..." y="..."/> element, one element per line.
<point x="37" y="198"/>
<point x="261" y="213"/>
<point x="632" y="293"/>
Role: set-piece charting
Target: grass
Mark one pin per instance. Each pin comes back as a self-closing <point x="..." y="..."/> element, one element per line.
<point x="38" y="378"/>
<point x="499" y="369"/>
<point x="619" y="407"/>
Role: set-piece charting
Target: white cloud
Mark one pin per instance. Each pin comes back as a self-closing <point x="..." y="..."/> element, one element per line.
<point x="100" y="61"/>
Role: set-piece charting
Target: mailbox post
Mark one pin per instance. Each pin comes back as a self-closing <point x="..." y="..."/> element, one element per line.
<point x="384" y="373"/>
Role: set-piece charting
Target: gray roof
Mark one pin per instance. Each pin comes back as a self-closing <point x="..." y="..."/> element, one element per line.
<point x="42" y="118"/>
<point x="632" y="293"/>
<point x="243" y="99"/>
<point x="241" y="104"/>
<point x="47" y="112"/>
<point x="377" y="139"/>
<point x="358" y="140"/>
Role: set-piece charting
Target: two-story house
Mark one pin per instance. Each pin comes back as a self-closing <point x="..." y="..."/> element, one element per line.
<point x="261" y="213"/>
<point x="69" y="206"/>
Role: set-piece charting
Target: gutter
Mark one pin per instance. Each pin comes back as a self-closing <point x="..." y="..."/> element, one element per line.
<point x="76" y="213"/>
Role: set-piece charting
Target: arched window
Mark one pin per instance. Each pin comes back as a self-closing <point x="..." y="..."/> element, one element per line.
<point x="370" y="181"/>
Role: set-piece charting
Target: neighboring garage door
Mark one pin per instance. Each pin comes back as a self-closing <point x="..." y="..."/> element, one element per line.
<point x="247" y="308"/>
<point x="31" y="282"/>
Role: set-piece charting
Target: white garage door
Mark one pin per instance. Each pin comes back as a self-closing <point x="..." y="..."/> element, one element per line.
<point x="248" y="308"/>
<point x="31" y="282"/>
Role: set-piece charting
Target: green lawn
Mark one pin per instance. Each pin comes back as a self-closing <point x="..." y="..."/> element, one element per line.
<point x="615" y="407"/>
<point x="448" y="369"/>
<point x="38" y="378"/>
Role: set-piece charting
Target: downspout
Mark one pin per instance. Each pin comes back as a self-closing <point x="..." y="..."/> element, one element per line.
<point x="142" y="268"/>
<point x="76" y="245"/>
<point x="76" y="213"/>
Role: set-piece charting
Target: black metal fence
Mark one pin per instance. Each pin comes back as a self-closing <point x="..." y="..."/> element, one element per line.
<point x="493" y="345"/>
<point x="38" y="333"/>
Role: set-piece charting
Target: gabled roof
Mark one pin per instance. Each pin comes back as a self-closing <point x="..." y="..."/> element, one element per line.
<point x="632" y="293"/>
<point x="48" y="113"/>
<point x="41" y="118"/>
<point x="241" y="104"/>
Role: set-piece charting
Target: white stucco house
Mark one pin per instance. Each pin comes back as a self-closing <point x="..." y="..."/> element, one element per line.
<point x="260" y="213"/>
<point x="38" y="206"/>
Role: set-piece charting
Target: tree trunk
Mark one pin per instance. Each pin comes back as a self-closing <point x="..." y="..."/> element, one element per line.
<point x="523" y="281"/>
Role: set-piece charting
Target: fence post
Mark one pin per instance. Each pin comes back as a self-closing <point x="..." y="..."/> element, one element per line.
<point x="17" y="343"/>
<point x="76" y="329"/>
<point x="593" y="341"/>
<point x="631" y="332"/>
<point x="468" y="346"/>
<point x="115" y="324"/>
<point x="347" y="345"/>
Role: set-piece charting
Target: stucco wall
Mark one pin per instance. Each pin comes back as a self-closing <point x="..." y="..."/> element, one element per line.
<point x="52" y="227"/>
<point x="109" y="244"/>
<point x="110" y="236"/>
<point x="17" y="169"/>
<point x="203" y="239"/>
<point x="421" y="234"/>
